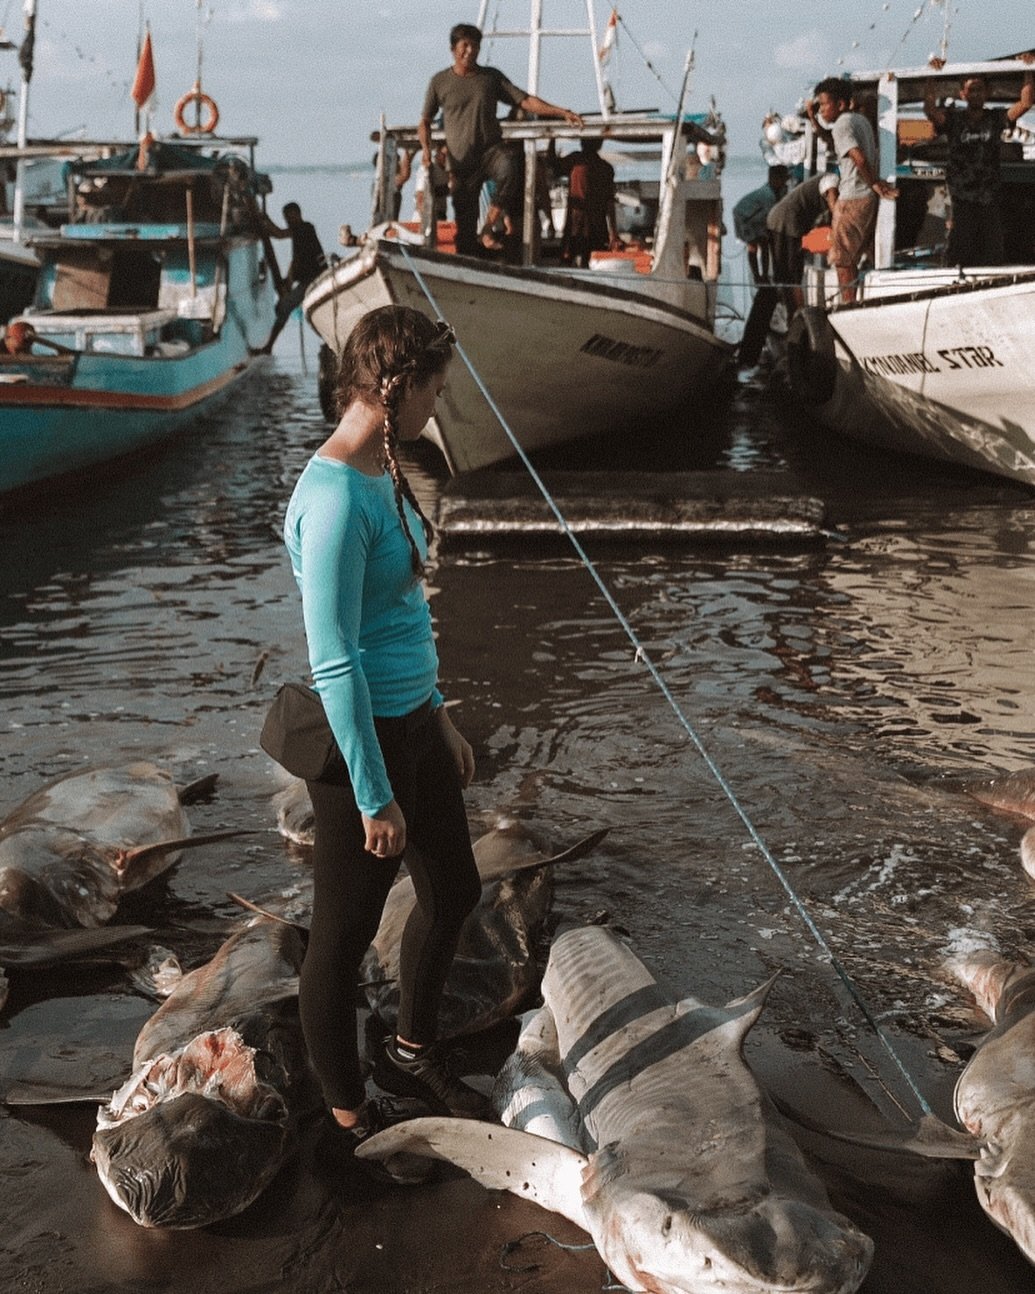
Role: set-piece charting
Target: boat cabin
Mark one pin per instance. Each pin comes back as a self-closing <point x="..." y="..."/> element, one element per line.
<point x="671" y="226"/>
<point x="139" y="266"/>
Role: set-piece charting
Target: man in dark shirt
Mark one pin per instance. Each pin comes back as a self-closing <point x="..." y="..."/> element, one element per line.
<point x="590" y="222"/>
<point x="466" y="94"/>
<point x="788" y="221"/>
<point x="974" y="133"/>
<point x="307" y="260"/>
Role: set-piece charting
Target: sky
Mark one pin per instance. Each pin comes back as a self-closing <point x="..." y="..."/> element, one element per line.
<point x="311" y="78"/>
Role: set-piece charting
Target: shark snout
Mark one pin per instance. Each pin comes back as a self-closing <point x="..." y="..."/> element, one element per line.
<point x="661" y="1245"/>
<point x="186" y="1162"/>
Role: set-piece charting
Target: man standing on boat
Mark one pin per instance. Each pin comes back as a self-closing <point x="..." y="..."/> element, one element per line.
<point x="855" y="148"/>
<point x="466" y="93"/>
<point x="974" y="133"/>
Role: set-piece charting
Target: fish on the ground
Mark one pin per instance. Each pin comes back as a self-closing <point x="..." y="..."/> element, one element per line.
<point x="498" y="964"/>
<point x="667" y="1152"/>
<point x="1012" y="793"/>
<point x="994" y="1099"/>
<point x="220" y="1081"/>
<point x="71" y="850"/>
<point x="294" y="812"/>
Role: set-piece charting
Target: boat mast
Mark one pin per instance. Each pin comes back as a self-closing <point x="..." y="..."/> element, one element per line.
<point x="535" y="33"/>
<point x="25" y="59"/>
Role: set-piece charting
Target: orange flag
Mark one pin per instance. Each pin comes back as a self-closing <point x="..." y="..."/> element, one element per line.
<point x="144" y="81"/>
<point x="604" y="52"/>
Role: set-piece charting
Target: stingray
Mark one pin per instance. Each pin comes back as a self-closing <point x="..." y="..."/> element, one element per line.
<point x="72" y="849"/>
<point x="497" y="966"/>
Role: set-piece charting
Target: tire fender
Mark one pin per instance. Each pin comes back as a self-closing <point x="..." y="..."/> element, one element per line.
<point x="811" y="362"/>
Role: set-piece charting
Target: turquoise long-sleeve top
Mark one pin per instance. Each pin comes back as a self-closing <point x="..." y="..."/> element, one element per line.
<point x="367" y="620"/>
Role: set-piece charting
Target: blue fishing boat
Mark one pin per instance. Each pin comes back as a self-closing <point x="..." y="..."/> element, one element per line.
<point x="150" y="298"/>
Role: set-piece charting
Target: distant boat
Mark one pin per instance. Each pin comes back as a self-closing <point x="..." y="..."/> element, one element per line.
<point x="627" y="342"/>
<point x="150" y="296"/>
<point x="931" y="359"/>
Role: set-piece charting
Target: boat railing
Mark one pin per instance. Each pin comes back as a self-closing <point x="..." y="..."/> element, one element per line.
<point x="643" y="139"/>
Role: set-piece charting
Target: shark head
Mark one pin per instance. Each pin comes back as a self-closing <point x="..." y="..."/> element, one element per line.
<point x="659" y="1243"/>
<point x="187" y="1162"/>
<point x="193" y="1136"/>
<point x="1004" y="1177"/>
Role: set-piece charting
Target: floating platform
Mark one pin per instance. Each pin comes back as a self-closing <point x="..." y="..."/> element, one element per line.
<point x="702" y="507"/>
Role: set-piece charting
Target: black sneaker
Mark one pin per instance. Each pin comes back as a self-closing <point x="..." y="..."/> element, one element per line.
<point x="337" y="1148"/>
<point x="429" y="1076"/>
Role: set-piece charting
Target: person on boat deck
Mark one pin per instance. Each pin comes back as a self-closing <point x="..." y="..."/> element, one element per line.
<point x="502" y="228"/>
<point x="403" y="171"/>
<point x="307" y="260"/>
<point x="590" y="220"/>
<point x="466" y="93"/>
<point x="437" y="179"/>
<point x="855" y="213"/>
<point x="974" y="134"/>
<point x="358" y="541"/>
<point x="787" y="223"/>
<point x="749" y="220"/>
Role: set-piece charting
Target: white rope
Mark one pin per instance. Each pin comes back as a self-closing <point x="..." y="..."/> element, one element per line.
<point x="642" y="655"/>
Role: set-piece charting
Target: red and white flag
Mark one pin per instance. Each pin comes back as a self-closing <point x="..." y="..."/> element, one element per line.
<point x="144" y="81"/>
<point x="611" y="32"/>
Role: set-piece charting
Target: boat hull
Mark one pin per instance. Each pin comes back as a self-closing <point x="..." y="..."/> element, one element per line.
<point x="562" y="356"/>
<point x="943" y="372"/>
<point x="63" y="414"/>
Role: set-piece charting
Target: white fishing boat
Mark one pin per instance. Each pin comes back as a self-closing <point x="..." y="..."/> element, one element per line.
<point x="625" y="343"/>
<point x="930" y="359"/>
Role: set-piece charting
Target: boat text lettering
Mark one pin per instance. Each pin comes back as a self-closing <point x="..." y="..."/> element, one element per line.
<point x="621" y="351"/>
<point x="898" y="365"/>
<point x="971" y="357"/>
<point x="917" y="362"/>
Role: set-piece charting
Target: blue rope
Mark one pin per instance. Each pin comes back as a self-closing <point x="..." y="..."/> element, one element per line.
<point x="641" y="655"/>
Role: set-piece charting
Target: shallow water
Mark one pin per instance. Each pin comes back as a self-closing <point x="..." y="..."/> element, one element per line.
<point x="824" y="700"/>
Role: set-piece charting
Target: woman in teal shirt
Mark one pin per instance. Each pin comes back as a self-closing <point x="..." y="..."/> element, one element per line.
<point x="358" y="542"/>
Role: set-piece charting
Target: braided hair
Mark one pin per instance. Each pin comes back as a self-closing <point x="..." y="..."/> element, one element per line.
<point x="388" y="348"/>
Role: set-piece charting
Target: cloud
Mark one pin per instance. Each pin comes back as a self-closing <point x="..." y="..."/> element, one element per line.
<point x="808" y="51"/>
<point x="254" y="11"/>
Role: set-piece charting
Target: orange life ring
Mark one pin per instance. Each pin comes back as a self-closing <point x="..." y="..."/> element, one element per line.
<point x="195" y="95"/>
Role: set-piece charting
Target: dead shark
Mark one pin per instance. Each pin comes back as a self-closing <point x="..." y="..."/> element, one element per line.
<point x="658" y="1142"/>
<point x="1012" y="793"/>
<point x="220" y="1079"/>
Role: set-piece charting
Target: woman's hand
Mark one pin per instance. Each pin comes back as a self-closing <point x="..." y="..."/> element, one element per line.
<point x="386" y="832"/>
<point x="459" y="747"/>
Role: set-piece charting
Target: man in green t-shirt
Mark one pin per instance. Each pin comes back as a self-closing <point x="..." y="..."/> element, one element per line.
<point x="466" y="94"/>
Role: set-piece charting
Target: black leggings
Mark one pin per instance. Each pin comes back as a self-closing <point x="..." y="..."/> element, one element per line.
<point x="351" y="886"/>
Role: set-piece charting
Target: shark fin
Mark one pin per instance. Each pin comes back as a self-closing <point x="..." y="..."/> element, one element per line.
<point x="504" y="1159"/>
<point x="30" y="1092"/>
<point x="930" y="1137"/>
<point x="491" y="869"/>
